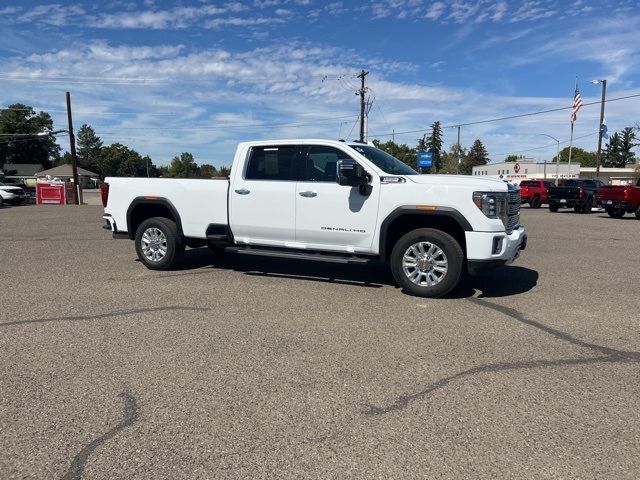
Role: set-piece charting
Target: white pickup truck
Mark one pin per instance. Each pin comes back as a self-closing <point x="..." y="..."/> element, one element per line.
<point x="325" y="200"/>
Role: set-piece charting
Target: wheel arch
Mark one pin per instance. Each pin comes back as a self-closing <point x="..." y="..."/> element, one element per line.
<point x="142" y="208"/>
<point x="407" y="218"/>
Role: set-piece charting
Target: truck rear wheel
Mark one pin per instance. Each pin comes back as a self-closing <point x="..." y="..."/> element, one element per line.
<point x="588" y="205"/>
<point x="535" y="203"/>
<point x="427" y="263"/>
<point x="638" y="212"/>
<point x="553" y="208"/>
<point x="158" y="243"/>
<point x="615" y="212"/>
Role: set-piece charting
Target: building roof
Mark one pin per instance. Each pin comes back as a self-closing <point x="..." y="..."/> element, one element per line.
<point x="21" y="169"/>
<point x="65" y="170"/>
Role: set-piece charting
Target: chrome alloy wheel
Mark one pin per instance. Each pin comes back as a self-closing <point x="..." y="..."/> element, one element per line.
<point x="154" y="244"/>
<point x="425" y="264"/>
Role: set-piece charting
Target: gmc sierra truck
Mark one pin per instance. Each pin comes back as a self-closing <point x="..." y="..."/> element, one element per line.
<point x="325" y="200"/>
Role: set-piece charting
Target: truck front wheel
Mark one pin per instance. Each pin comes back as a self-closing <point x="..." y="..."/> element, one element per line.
<point x="158" y="243"/>
<point x="427" y="263"/>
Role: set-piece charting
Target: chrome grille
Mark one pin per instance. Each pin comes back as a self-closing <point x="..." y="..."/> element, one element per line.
<point x="513" y="209"/>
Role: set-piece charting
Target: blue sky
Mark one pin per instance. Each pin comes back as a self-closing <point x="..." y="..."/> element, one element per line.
<point x="200" y="76"/>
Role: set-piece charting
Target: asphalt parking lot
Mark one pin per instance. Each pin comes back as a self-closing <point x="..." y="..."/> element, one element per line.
<point x="259" y="368"/>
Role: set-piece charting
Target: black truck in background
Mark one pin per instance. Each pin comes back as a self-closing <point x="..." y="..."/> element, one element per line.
<point x="577" y="194"/>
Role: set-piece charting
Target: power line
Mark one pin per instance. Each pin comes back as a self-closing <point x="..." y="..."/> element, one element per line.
<point x="510" y="117"/>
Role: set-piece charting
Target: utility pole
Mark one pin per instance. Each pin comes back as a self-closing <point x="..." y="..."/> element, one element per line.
<point x="458" y="169"/>
<point x="604" y="93"/>
<point x="72" y="143"/>
<point x="361" y="92"/>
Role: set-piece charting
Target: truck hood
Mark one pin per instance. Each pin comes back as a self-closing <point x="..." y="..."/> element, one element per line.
<point x="475" y="183"/>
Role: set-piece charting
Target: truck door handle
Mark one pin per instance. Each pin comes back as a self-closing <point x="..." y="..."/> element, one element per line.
<point x="242" y="191"/>
<point x="308" y="194"/>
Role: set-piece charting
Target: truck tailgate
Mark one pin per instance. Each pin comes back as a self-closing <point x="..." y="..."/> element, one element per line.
<point x="564" y="192"/>
<point x="612" y="193"/>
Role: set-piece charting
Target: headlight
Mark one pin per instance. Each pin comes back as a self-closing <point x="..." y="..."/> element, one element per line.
<point x="492" y="204"/>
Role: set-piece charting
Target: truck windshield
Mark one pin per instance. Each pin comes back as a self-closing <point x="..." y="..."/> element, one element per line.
<point x="385" y="162"/>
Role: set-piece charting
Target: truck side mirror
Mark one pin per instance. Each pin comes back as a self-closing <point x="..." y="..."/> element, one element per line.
<point x="350" y="173"/>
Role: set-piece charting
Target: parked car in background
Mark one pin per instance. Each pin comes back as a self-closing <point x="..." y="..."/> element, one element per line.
<point x="535" y="192"/>
<point x="12" y="194"/>
<point x="620" y="199"/>
<point x="577" y="194"/>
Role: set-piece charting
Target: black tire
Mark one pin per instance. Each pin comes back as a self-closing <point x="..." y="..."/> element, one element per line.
<point x="553" y="208"/>
<point x="588" y="205"/>
<point x="452" y="255"/>
<point x="535" y="203"/>
<point x="638" y="212"/>
<point x="173" y="244"/>
<point x="615" y="212"/>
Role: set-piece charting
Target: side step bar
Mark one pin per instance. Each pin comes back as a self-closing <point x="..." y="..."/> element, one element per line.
<point x="315" y="256"/>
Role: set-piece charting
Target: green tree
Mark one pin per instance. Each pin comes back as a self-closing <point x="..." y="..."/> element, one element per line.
<point x="223" y="171"/>
<point x="613" y="156"/>
<point x="433" y="144"/>
<point x="402" y="152"/>
<point x="449" y="159"/>
<point x="89" y="145"/>
<point x="22" y="119"/>
<point x="513" y="158"/>
<point x="207" y="171"/>
<point x="578" y="155"/>
<point x="183" y="166"/>
<point x="122" y="161"/>
<point x="477" y="155"/>
<point x="627" y="143"/>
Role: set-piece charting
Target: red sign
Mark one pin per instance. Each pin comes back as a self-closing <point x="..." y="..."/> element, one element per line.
<point x="516" y="167"/>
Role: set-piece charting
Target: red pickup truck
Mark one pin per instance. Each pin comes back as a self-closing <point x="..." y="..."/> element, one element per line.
<point x="535" y="192"/>
<point x="620" y="199"/>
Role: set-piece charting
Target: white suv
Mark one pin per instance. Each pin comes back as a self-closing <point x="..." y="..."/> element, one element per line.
<point x="12" y="194"/>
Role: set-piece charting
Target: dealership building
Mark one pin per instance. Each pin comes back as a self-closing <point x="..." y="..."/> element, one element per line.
<point x="527" y="168"/>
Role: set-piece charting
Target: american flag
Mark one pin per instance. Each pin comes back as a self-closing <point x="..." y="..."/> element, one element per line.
<point x="577" y="103"/>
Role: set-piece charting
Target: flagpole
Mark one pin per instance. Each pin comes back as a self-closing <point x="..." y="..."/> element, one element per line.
<point x="570" y="148"/>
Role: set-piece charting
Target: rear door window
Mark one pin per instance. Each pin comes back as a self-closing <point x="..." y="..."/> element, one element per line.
<point x="273" y="163"/>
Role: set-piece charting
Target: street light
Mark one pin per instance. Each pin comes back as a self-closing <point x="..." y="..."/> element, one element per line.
<point x="39" y="134"/>
<point x="604" y="93"/>
<point x="557" y="156"/>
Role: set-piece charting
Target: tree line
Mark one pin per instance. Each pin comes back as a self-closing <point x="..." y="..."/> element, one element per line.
<point x="617" y="153"/>
<point x="110" y="160"/>
<point x="445" y="162"/>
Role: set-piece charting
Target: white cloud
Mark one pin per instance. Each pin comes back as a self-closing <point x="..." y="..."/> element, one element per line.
<point x="435" y="11"/>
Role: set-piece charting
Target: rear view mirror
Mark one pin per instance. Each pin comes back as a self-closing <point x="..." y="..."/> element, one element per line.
<point x="351" y="174"/>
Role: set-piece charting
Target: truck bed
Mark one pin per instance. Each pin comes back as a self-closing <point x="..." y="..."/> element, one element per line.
<point x="200" y="202"/>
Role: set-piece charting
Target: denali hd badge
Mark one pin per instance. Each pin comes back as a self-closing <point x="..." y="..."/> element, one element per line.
<point x="339" y="229"/>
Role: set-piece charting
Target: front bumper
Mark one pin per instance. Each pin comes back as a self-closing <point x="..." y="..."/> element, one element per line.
<point x="490" y="249"/>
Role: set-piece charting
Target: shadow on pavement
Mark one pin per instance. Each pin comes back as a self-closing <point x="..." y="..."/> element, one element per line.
<point x="500" y="282"/>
